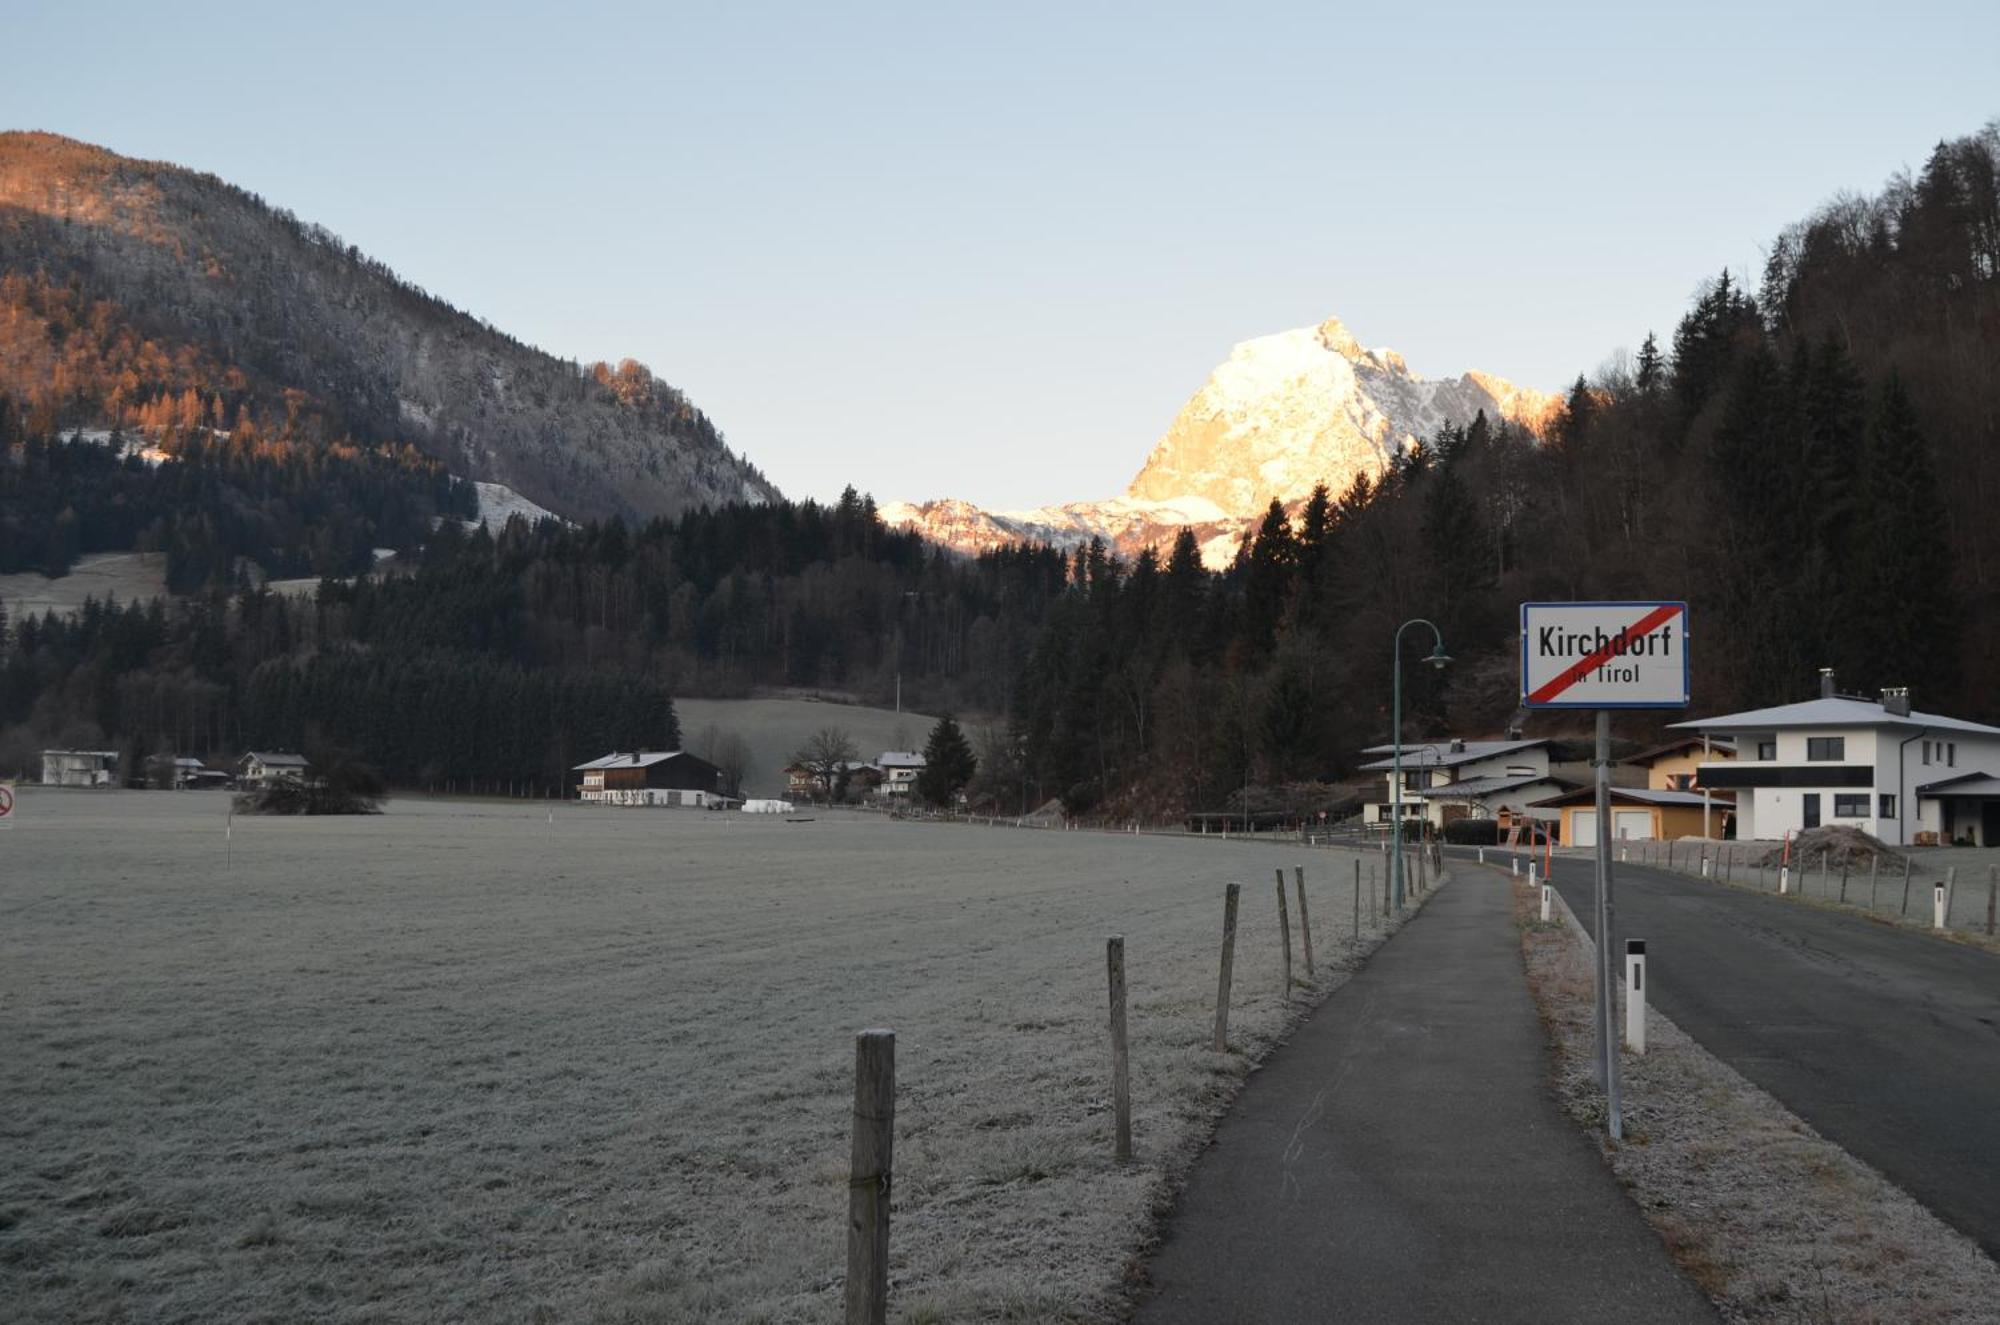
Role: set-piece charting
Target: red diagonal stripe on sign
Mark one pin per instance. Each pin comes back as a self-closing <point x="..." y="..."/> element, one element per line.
<point x="1576" y="671"/>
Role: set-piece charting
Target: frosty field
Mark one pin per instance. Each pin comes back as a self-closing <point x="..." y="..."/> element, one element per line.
<point x="459" y="1063"/>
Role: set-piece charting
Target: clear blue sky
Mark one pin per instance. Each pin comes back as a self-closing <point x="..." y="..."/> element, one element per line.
<point x="988" y="251"/>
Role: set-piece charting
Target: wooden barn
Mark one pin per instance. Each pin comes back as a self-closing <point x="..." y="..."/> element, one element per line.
<point x="650" y="777"/>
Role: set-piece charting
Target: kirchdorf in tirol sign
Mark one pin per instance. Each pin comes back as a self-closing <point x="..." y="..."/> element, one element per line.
<point x="1604" y="655"/>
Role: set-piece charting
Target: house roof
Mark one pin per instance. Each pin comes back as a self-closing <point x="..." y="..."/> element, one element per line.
<point x="631" y="759"/>
<point x="900" y="759"/>
<point x="1440" y="754"/>
<point x="93" y="754"/>
<point x="1725" y="748"/>
<point x="1965" y="784"/>
<point x="1467" y="789"/>
<point x="1637" y="796"/>
<point x="277" y="759"/>
<point x="1834" y="711"/>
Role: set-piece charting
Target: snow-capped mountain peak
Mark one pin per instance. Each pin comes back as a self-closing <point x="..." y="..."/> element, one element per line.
<point x="1281" y="414"/>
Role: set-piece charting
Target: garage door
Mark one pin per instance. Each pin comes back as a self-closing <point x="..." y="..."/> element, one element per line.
<point x="1583" y="827"/>
<point x="1632" y="825"/>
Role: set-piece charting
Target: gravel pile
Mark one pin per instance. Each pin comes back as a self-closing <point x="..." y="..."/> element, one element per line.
<point x="1843" y="846"/>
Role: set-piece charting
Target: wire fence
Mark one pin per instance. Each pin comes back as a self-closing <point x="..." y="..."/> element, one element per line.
<point x="1898" y="886"/>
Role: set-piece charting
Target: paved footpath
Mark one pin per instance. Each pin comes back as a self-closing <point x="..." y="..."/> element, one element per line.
<point x="1403" y="1158"/>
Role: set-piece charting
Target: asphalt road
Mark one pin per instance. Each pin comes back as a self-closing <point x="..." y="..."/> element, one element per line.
<point x="1887" y="1042"/>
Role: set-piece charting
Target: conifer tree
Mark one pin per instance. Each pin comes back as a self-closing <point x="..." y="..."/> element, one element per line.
<point x="948" y="763"/>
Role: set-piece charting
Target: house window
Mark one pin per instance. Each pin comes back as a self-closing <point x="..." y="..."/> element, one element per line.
<point x="1888" y="806"/>
<point x="1767" y="750"/>
<point x="1927" y="752"/>
<point x="1680" y="781"/>
<point x="1951" y="754"/>
<point x="1416" y="779"/>
<point x="1826" y="749"/>
<point x="1850" y="807"/>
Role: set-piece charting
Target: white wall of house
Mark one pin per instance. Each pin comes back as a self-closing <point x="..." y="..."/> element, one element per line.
<point x="1896" y="767"/>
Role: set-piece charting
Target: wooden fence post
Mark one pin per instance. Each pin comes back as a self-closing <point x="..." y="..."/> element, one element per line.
<point x="1228" y="965"/>
<point x="1904" y="910"/>
<point x="1121" y="1086"/>
<point x="1843" y="881"/>
<point x="868" y="1178"/>
<point x="1992" y="897"/>
<point x="1285" y="932"/>
<point x="1874" y="876"/>
<point x="1305" y="921"/>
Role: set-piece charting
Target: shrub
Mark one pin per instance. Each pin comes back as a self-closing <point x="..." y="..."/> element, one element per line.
<point x="1473" y="832"/>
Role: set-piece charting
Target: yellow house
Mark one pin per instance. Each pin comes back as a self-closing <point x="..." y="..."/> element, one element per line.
<point x="1672" y="767"/>
<point x="1638" y="814"/>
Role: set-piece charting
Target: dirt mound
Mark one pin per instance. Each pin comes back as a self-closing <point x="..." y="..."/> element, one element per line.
<point x="1844" y="846"/>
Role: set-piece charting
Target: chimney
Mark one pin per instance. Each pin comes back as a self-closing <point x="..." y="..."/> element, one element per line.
<point x="1826" y="683"/>
<point x="1457" y="746"/>
<point x="1896" y="701"/>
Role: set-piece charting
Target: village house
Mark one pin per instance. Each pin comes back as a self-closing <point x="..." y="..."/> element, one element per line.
<point x="1459" y="779"/>
<point x="1907" y="777"/>
<point x="1638" y="814"/>
<point x="859" y="778"/>
<point x="182" y="773"/>
<point x="260" y="768"/>
<point x="79" y="768"/>
<point x="899" y="772"/>
<point x="650" y="777"/>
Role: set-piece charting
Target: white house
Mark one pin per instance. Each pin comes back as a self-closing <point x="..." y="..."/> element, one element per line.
<point x="899" y="772"/>
<point x="1456" y="779"/>
<point x="261" y="767"/>
<point x="79" y="768"/>
<point x="1873" y="764"/>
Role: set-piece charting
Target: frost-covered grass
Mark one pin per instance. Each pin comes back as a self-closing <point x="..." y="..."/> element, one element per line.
<point x="457" y="1063"/>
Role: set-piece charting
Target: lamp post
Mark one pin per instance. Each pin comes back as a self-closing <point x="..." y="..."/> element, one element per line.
<point x="1438" y="658"/>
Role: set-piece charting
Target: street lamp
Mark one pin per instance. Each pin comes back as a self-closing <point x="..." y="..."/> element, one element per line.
<point x="1438" y="658"/>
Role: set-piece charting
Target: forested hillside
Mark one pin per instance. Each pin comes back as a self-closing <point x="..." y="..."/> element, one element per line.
<point x="141" y="295"/>
<point x="1814" y="465"/>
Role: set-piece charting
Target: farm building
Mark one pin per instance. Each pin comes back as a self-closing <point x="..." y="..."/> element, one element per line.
<point x="79" y="768"/>
<point x="650" y="777"/>
<point x="1638" y="814"/>
<point x="262" y="767"/>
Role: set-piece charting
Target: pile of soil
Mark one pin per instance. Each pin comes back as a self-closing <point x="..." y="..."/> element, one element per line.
<point x="1845" y="846"/>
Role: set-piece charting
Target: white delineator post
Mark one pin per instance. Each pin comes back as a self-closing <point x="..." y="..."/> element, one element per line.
<point x="1941" y="898"/>
<point x="1635" y="995"/>
<point x="1546" y="901"/>
<point x="1516" y="863"/>
<point x="1531" y="873"/>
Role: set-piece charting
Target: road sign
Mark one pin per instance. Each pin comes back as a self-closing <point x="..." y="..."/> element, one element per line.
<point x="1604" y="655"/>
<point x="6" y="805"/>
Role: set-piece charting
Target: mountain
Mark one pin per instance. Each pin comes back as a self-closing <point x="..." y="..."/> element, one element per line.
<point x="1280" y="415"/>
<point x="139" y="294"/>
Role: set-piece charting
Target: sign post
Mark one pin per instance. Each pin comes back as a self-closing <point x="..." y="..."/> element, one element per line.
<point x="1604" y="656"/>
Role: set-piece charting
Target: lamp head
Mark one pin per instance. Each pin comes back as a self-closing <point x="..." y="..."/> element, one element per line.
<point x="1438" y="657"/>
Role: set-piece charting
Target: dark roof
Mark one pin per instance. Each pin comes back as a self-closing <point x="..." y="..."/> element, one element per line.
<point x="1473" y="788"/>
<point x="1637" y="796"/>
<point x="1440" y="754"/>
<point x="1965" y="784"/>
